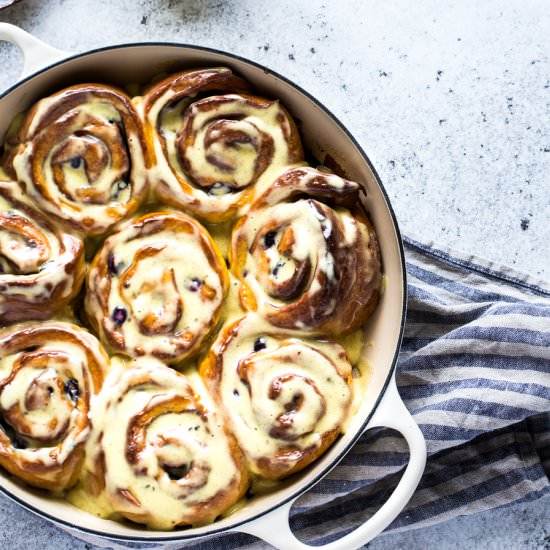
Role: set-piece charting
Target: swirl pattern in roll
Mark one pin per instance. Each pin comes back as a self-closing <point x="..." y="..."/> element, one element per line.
<point x="82" y="157"/>
<point x="48" y="374"/>
<point x="285" y="399"/>
<point x="160" y="452"/>
<point x="215" y="145"/>
<point x="41" y="266"/>
<point x="157" y="287"/>
<point x="307" y="256"/>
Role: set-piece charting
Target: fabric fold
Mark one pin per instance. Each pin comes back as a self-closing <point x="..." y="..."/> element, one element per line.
<point x="474" y="370"/>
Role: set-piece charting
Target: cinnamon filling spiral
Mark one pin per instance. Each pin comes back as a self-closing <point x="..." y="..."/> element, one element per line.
<point x="306" y="254"/>
<point x="214" y="152"/>
<point x="48" y="374"/>
<point x="82" y="157"/>
<point x="41" y="266"/>
<point x="156" y="287"/>
<point x="271" y="393"/>
<point x="284" y="398"/>
<point x="159" y="451"/>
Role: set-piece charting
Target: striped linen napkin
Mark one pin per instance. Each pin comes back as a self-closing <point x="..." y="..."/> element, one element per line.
<point x="474" y="370"/>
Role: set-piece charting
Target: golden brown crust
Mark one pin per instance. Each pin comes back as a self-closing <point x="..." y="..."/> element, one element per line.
<point x="41" y="265"/>
<point x="168" y="462"/>
<point x="54" y="370"/>
<point x="307" y="256"/>
<point x="81" y="155"/>
<point x="227" y="141"/>
<point x="284" y="398"/>
<point x="307" y="262"/>
<point x="146" y="274"/>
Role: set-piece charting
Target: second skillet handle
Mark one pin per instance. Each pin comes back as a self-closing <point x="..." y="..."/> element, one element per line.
<point x="37" y="54"/>
<point x="274" y="527"/>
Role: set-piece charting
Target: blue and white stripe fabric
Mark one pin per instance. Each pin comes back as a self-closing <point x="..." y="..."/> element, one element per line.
<point x="475" y="372"/>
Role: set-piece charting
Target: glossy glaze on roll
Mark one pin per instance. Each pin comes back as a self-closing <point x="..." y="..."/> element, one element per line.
<point x="81" y="155"/>
<point x="215" y="144"/>
<point x="307" y="255"/>
<point x="157" y="287"/>
<point x="48" y="375"/>
<point x="41" y="265"/>
<point x="160" y="453"/>
<point x="284" y="398"/>
<point x="266" y="351"/>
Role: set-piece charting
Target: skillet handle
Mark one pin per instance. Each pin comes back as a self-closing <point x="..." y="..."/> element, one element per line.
<point x="274" y="527"/>
<point x="37" y="54"/>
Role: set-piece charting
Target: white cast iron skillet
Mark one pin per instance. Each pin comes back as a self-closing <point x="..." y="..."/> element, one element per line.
<point x="47" y="70"/>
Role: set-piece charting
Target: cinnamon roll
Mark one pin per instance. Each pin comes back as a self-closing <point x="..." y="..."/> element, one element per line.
<point x="160" y="453"/>
<point x="215" y="144"/>
<point x="307" y="256"/>
<point x="48" y="374"/>
<point x="285" y="399"/>
<point x="82" y="158"/>
<point x="41" y="266"/>
<point x="157" y="287"/>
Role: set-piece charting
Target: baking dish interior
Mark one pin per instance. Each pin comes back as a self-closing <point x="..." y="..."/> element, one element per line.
<point x="322" y="134"/>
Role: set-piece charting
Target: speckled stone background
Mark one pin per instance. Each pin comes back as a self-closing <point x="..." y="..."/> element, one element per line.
<point x="451" y="100"/>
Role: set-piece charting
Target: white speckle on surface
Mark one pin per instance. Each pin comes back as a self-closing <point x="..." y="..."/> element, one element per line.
<point x="451" y="101"/>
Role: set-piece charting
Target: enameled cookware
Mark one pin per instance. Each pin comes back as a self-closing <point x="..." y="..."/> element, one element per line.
<point x="47" y="70"/>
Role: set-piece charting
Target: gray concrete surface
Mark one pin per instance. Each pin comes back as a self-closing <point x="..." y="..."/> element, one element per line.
<point x="450" y="99"/>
